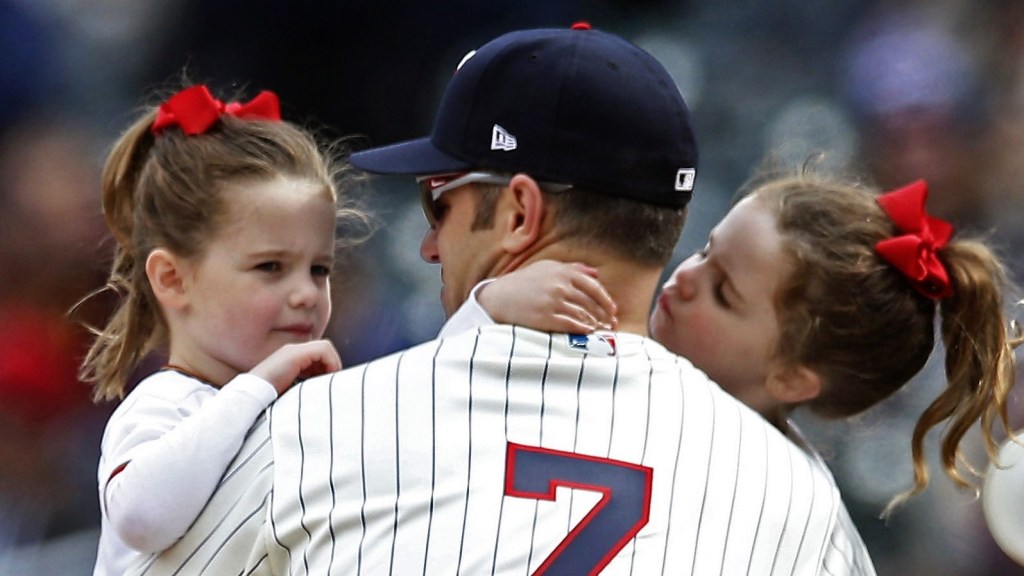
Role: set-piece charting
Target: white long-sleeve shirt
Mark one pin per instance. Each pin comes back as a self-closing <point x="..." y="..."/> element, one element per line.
<point x="163" y="451"/>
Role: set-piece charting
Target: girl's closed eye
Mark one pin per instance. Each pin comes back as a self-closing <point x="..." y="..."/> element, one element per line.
<point x="718" y="282"/>
<point x="719" y="292"/>
<point x="269" y="266"/>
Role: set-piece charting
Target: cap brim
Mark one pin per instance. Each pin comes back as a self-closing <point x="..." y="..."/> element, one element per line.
<point x="415" y="157"/>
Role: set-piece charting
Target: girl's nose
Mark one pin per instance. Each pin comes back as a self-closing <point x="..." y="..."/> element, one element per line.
<point x="684" y="281"/>
<point x="306" y="293"/>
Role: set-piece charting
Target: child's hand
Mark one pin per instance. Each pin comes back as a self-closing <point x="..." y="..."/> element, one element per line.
<point x="550" y="296"/>
<point x="293" y="362"/>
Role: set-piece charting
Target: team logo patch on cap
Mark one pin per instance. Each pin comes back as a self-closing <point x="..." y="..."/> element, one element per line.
<point x="597" y="343"/>
<point x="502" y="140"/>
<point x="684" y="179"/>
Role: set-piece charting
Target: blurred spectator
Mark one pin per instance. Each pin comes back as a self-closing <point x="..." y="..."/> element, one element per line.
<point x="914" y="88"/>
<point x="26" y="69"/>
<point x="50" y="234"/>
<point x="1002" y="47"/>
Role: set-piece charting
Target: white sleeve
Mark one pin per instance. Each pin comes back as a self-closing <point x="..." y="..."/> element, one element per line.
<point x="470" y="315"/>
<point x="161" y="473"/>
<point x="232" y="534"/>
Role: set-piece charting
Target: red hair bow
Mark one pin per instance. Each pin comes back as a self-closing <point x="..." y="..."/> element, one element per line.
<point x="194" y="110"/>
<point x="914" y="252"/>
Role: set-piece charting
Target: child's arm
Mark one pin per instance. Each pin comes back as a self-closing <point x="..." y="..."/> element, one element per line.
<point x="470" y="315"/>
<point x="550" y="296"/>
<point x="167" y="462"/>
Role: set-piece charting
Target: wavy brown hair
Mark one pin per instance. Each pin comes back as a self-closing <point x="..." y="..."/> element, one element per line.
<point x="858" y="322"/>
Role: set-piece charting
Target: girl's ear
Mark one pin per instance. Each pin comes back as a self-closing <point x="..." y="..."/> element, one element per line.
<point x="794" y="384"/>
<point x="522" y="214"/>
<point x="166" y="273"/>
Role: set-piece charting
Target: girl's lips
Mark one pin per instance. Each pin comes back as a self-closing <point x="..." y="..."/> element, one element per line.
<point x="298" y="329"/>
<point x="663" y="303"/>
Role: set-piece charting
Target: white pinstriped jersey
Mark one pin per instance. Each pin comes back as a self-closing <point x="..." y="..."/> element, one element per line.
<point x="509" y="451"/>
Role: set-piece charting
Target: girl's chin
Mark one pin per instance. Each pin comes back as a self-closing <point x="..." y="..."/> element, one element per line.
<point x="658" y="328"/>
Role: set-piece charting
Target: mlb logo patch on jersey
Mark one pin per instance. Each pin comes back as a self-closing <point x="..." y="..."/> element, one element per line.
<point x="602" y="344"/>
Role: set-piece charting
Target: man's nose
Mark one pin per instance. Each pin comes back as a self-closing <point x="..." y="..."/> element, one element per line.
<point x="428" y="247"/>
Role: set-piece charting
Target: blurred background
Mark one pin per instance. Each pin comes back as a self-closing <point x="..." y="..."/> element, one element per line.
<point x="897" y="89"/>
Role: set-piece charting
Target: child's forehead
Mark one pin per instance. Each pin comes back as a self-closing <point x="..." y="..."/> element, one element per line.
<point x="747" y="241"/>
<point x="280" y="192"/>
<point x="750" y="216"/>
<point x="289" y="205"/>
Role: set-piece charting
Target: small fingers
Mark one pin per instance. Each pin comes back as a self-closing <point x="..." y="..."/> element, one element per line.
<point x="591" y="298"/>
<point x="329" y="356"/>
<point x="322" y="357"/>
<point x="570" y="325"/>
<point x="294" y="362"/>
<point x="585" y="269"/>
<point x="579" y="319"/>
<point x="593" y="288"/>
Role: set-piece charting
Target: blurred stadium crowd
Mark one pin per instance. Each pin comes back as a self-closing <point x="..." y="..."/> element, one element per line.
<point x="896" y="88"/>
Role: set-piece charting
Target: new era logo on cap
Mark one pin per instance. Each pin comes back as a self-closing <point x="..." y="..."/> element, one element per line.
<point x="502" y="140"/>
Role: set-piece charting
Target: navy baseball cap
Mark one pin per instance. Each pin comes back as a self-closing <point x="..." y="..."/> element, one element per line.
<point x="572" y="106"/>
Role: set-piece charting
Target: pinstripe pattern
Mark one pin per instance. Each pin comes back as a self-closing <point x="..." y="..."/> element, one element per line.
<point x="236" y="515"/>
<point x="398" y="467"/>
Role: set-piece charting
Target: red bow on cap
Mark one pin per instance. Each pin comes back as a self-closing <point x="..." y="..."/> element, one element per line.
<point x="194" y="110"/>
<point x="914" y="252"/>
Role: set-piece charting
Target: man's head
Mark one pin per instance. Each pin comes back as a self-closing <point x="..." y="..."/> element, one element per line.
<point x="551" y="136"/>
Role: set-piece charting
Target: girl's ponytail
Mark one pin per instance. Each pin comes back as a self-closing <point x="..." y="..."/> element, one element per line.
<point x="129" y="334"/>
<point x="979" y="363"/>
<point x="969" y="285"/>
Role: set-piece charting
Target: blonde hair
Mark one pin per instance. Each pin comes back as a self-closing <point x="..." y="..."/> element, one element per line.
<point x="859" y="323"/>
<point x="166" y="191"/>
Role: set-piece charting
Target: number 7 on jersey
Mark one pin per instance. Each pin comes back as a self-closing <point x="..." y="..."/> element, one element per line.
<point x="624" y="507"/>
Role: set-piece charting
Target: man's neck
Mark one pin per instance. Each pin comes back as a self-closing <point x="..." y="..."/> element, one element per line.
<point x="631" y="286"/>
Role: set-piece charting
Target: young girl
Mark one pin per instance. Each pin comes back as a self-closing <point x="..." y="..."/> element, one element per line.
<point x="225" y="218"/>
<point x="815" y="293"/>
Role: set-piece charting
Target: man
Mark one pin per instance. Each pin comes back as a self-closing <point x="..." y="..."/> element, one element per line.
<point x="503" y="450"/>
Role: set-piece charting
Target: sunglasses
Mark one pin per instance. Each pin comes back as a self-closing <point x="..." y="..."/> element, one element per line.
<point x="433" y="186"/>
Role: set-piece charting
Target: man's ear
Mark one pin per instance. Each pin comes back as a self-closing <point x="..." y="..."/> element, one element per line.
<point x="793" y="384"/>
<point x="520" y="214"/>
<point x="166" y="273"/>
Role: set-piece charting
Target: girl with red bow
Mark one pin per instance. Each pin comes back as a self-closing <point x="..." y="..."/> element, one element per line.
<point x="225" y="219"/>
<point x="818" y="293"/>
